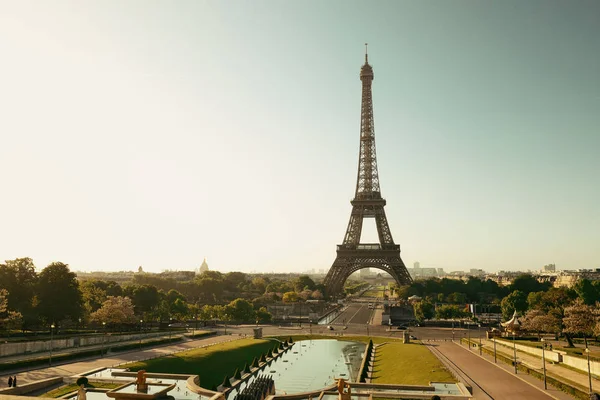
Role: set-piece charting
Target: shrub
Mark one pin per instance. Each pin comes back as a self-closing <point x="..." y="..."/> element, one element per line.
<point x="82" y="381"/>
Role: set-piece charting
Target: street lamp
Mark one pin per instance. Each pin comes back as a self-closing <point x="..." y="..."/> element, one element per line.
<point x="453" y="331"/>
<point x="141" y="322"/>
<point x="587" y="351"/>
<point x="514" y="351"/>
<point x="469" y="330"/>
<point x="479" y="333"/>
<point x="544" y="361"/>
<point x="170" y="323"/>
<point x="103" y="339"/>
<point x="225" y="323"/>
<point x="51" y="342"/>
<point x="495" y="349"/>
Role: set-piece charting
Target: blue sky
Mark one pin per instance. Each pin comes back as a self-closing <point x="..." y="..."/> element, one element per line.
<point x="158" y="133"/>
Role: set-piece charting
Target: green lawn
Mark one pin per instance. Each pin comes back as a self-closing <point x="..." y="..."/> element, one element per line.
<point x="61" y="391"/>
<point x="378" y="292"/>
<point x="410" y="364"/>
<point x="211" y="363"/>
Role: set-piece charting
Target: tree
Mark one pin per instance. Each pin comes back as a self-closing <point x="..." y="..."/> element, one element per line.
<point x="423" y="310"/>
<point x="539" y="321"/>
<point x="516" y="301"/>
<point x="586" y="291"/>
<point x="263" y="315"/>
<point x="580" y="319"/>
<point x="527" y="283"/>
<point x="450" y="312"/>
<point x="116" y="310"/>
<point x="290" y="297"/>
<point x="58" y="293"/>
<point x="304" y="282"/>
<point x="145" y="299"/>
<point x="19" y="278"/>
<point x="8" y="319"/>
<point x="457" y="298"/>
<point x="241" y="310"/>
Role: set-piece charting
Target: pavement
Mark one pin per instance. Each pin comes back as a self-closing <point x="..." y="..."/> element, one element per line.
<point x="491" y="381"/>
<point x="110" y="360"/>
<point x="554" y="370"/>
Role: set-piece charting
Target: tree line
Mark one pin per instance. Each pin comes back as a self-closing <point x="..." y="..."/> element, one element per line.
<point x="32" y="300"/>
<point x="542" y="307"/>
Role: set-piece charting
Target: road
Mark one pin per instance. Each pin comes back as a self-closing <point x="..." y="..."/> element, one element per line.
<point x="355" y="313"/>
<point x="488" y="380"/>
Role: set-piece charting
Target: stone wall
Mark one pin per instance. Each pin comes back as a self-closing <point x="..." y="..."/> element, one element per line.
<point x="39" y="346"/>
<point x="550" y="355"/>
<point x="581" y="364"/>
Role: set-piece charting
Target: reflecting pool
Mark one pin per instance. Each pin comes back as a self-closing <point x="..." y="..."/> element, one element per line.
<point x="313" y="364"/>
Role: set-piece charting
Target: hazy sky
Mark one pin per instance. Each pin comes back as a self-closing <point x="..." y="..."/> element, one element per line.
<point x="157" y="133"/>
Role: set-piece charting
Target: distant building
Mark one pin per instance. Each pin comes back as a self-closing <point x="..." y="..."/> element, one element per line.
<point x="416" y="265"/>
<point x="365" y="272"/>
<point x="140" y="270"/>
<point x="203" y="268"/>
<point x="549" y="268"/>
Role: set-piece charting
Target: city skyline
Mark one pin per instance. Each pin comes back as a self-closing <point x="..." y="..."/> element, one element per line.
<point x="157" y="134"/>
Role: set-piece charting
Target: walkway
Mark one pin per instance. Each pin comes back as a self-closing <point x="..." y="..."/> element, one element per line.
<point x="492" y="381"/>
<point x="110" y="360"/>
<point x="554" y="370"/>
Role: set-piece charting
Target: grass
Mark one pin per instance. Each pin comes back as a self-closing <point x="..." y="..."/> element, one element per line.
<point x="409" y="364"/>
<point x="211" y="363"/>
<point x="63" y="390"/>
<point x="375" y="292"/>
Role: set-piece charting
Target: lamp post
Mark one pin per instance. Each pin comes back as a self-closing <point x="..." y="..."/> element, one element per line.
<point x="587" y="352"/>
<point x="51" y="341"/>
<point x="225" y="323"/>
<point x="514" y="351"/>
<point x="141" y="322"/>
<point x="469" y="331"/>
<point x="103" y="339"/>
<point x="170" y="323"/>
<point x="479" y="333"/>
<point x="453" y="331"/>
<point x="544" y="361"/>
<point x="495" y="350"/>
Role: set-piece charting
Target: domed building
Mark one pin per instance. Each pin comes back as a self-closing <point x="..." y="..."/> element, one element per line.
<point x="203" y="268"/>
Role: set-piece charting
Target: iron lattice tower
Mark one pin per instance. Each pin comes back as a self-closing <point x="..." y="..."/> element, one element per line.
<point x="367" y="203"/>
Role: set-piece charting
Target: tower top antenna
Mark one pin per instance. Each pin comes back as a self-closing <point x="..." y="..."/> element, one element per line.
<point x="366" y="52"/>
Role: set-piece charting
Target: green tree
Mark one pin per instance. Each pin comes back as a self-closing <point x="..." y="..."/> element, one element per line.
<point x="263" y="316"/>
<point x="304" y="282"/>
<point x="527" y="283"/>
<point x="515" y="301"/>
<point x="586" y="291"/>
<point x="241" y="310"/>
<point x="423" y="310"/>
<point x="146" y="299"/>
<point x="19" y="278"/>
<point x="450" y="312"/>
<point x="8" y="319"/>
<point x="58" y="293"/>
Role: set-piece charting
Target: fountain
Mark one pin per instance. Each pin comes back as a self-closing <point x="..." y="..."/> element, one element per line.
<point x="140" y="389"/>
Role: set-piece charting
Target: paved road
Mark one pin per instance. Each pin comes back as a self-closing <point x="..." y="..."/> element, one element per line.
<point x="355" y="313"/>
<point x="492" y="382"/>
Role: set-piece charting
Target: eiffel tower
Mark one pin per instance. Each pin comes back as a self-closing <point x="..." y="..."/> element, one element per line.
<point x="367" y="203"/>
